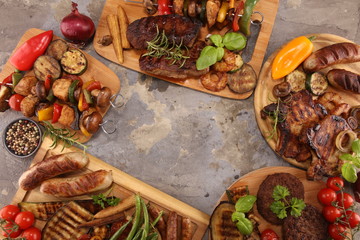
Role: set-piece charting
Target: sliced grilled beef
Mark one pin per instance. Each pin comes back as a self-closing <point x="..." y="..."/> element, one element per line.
<point x="177" y="28"/>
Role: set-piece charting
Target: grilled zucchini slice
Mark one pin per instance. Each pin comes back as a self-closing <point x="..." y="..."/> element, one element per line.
<point x="238" y="63"/>
<point x="297" y="80"/>
<point x="74" y="62"/>
<point x="316" y="83"/>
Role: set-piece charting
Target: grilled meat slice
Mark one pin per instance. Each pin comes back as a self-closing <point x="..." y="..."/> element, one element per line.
<point x="178" y="29"/>
<point x="167" y="68"/>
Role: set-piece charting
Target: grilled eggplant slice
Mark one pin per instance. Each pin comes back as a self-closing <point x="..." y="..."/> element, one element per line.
<point x="243" y="80"/>
<point x="63" y="225"/>
<point x="221" y="225"/>
<point x="45" y="66"/>
<point x="57" y="48"/>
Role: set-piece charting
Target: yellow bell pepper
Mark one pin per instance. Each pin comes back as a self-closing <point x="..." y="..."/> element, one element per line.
<point x="291" y="56"/>
<point x="46" y="113"/>
<point x="84" y="131"/>
<point x="86" y="84"/>
<point x="222" y="12"/>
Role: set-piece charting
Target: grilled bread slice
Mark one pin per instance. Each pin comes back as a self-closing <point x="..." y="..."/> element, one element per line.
<point x="63" y="225"/>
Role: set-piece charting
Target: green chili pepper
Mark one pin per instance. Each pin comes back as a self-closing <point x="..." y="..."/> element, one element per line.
<point x="137" y="219"/>
<point x="88" y="97"/>
<point x="245" y="20"/>
<point x="72" y="88"/>
<point x="120" y="230"/>
<point x="16" y="77"/>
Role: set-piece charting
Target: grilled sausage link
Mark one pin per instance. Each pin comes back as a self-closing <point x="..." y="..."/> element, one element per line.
<point x="343" y="79"/>
<point x="172" y="226"/>
<point x="186" y="229"/>
<point x="161" y="225"/>
<point x="79" y="185"/>
<point x="51" y="167"/>
<point x="333" y="54"/>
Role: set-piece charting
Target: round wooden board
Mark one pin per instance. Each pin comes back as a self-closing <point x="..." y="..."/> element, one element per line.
<point x="255" y="178"/>
<point x="95" y="70"/>
<point x="263" y="92"/>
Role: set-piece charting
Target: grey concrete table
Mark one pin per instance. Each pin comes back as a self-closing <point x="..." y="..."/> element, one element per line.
<point x="188" y="144"/>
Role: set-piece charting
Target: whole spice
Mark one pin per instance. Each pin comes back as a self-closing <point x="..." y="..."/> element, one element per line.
<point x="291" y="56"/>
<point x="22" y="137"/>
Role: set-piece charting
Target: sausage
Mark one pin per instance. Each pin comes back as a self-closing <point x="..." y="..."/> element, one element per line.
<point x="79" y="185"/>
<point x="161" y="225"/>
<point x="345" y="80"/>
<point x="171" y="229"/>
<point x="51" y="167"/>
<point x="333" y="54"/>
<point x="186" y="229"/>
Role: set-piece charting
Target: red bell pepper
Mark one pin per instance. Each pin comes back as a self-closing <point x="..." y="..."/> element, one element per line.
<point x="24" y="57"/>
<point x="82" y="104"/>
<point x="56" y="113"/>
<point x="7" y="81"/>
<point x="94" y="85"/>
<point x="235" y="23"/>
<point x="48" y="83"/>
<point x="163" y="7"/>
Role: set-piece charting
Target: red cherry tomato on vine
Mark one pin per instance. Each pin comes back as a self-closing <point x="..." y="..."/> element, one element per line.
<point x="14" y="101"/>
<point x="269" y="234"/>
<point x="331" y="213"/>
<point x="10" y="229"/>
<point x="32" y="233"/>
<point x="326" y="196"/>
<point x="335" y="230"/>
<point x="344" y="200"/>
<point x="353" y="218"/>
<point x="9" y="212"/>
<point x="335" y="183"/>
<point x="25" y="219"/>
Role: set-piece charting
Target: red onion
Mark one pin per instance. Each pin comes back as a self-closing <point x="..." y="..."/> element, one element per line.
<point x="76" y="26"/>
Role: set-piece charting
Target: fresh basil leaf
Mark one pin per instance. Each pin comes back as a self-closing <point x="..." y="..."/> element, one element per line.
<point x="208" y="57"/>
<point x="220" y="53"/>
<point x="348" y="171"/>
<point x="297" y="205"/>
<point x="236" y="216"/>
<point x="245" y="226"/>
<point x="347" y="157"/>
<point x="234" y="41"/>
<point x="280" y="192"/>
<point x="217" y="40"/>
<point x="245" y="203"/>
<point x="356" y="147"/>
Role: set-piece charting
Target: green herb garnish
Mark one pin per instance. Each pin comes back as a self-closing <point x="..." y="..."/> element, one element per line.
<point x="242" y="206"/>
<point x="281" y="205"/>
<point x="101" y="200"/>
<point x="61" y="134"/>
<point x="352" y="162"/>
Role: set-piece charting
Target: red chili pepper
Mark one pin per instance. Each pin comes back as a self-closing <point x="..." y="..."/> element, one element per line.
<point x="94" y="85"/>
<point x="235" y="23"/>
<point x="163" y="7"/>
<point x="56" y="113"/>
<point x="48" y="83"/>
<point x="7" y="80"/>
<point x="24" y="57"/>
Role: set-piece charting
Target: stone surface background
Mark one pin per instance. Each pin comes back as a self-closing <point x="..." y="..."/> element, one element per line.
<point x="188" y="144"/>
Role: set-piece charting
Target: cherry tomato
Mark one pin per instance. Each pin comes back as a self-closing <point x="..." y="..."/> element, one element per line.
<point x="331" y="213"/>
<point x="353" y="218"/>
<point x="25" y="219"/>
<point x="326" y="196"/>
<point x="32" y="233"/>
<point x="9" y="212"/>
<point x="14" y="101"/>
<point x="10" y="229"/>
<point x="335" y="230"/>
<point x="345" y="200"/>
<point x="269" y="234"/>
<point x="335" y="183"/>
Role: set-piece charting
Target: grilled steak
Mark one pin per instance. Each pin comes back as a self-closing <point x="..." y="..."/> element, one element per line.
<point x="178" y="29"/>
<point x="311" y="225"/>
<point x="167" y="68"/>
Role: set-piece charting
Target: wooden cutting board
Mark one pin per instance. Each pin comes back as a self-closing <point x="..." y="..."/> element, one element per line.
<point x="255" y="178"/>
<point x="124" y="185"/>
<point x="95" y="70"/>
<point x="263" y="92"/>
<point x="135" y="11"/>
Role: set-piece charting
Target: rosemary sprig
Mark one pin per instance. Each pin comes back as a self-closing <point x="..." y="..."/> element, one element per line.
<point x="277" y="116"/>
<point x="61" y="134"/>
<point x="160" y="46"/>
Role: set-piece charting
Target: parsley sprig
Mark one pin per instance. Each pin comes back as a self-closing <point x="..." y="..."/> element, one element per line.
<point x="281" y="205"/>
<point x="351" y="162"/>
<point x="101" y="200"/>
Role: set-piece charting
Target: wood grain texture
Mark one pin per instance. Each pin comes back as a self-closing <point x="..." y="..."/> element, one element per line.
<point x="124" y="185"/>
<point x="135" y="11"/>
<point x="263" y="91"/>
<point x="95" y="70"/>
<point x="255" y="178"/>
